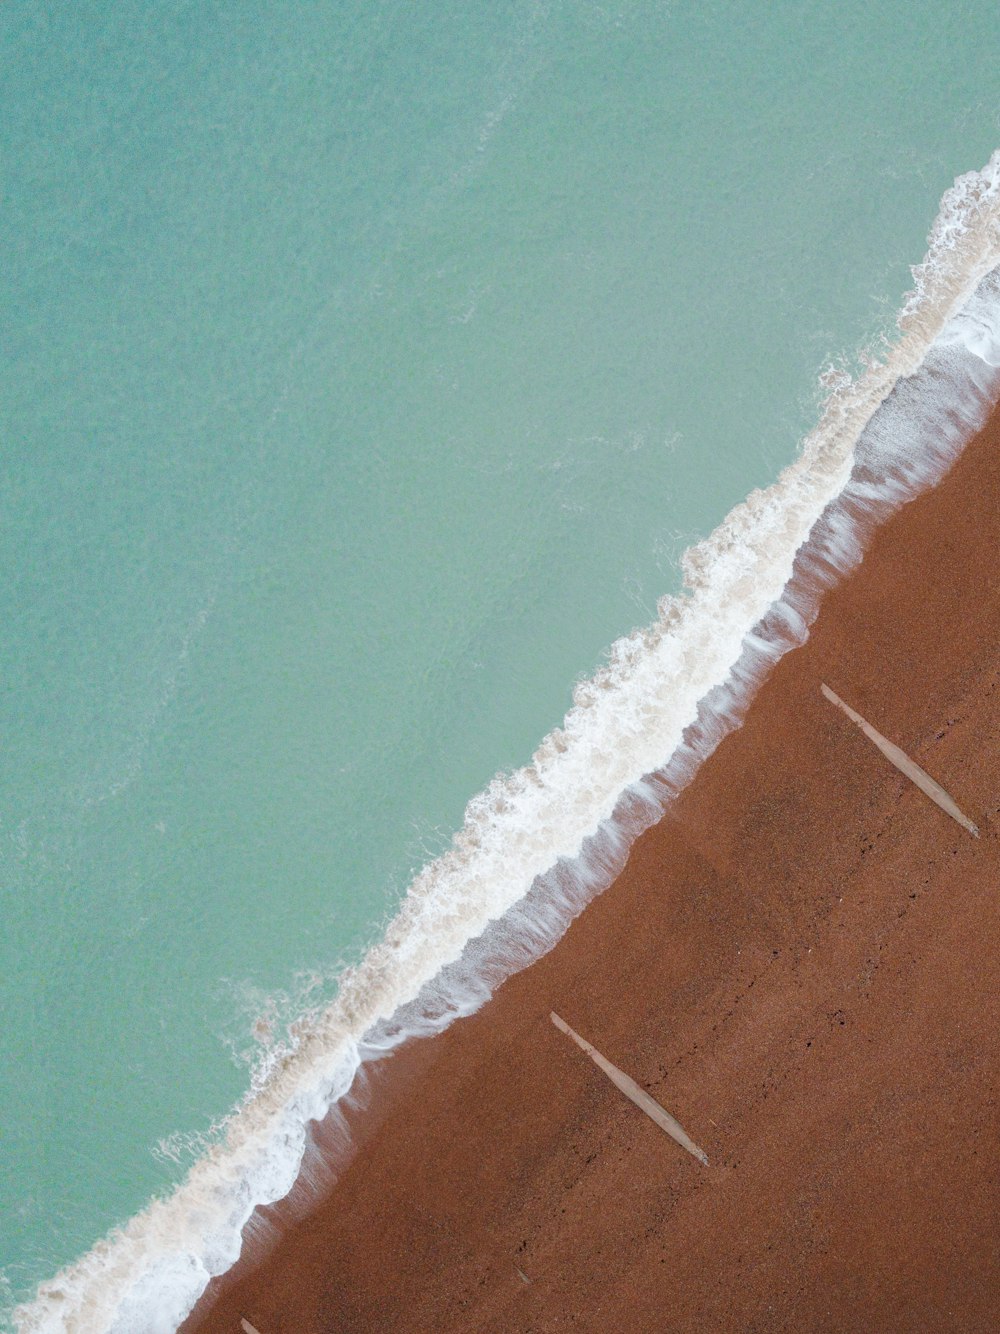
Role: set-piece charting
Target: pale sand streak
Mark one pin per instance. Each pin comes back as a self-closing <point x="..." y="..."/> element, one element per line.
<point x="632" y="1090"/>
<point x="904" y="764"/>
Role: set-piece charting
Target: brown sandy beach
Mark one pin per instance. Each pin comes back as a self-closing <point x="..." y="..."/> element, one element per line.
<point x="801" y="961"/>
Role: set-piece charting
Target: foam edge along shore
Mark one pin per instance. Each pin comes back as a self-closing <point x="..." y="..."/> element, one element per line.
<point x="538" y="844"/>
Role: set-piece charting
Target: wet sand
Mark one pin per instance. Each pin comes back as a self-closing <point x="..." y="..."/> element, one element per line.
<point x="801" y="962"/>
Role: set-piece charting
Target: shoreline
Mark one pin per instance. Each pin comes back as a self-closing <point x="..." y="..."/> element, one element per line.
<point x="798" y="960"/>
<point x="539" y="844"/>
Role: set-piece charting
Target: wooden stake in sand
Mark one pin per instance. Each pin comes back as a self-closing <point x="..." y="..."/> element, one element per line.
<point x="247" y="1328"/>
<point x="632" y="1091"/>
<point x="904" y="764"/>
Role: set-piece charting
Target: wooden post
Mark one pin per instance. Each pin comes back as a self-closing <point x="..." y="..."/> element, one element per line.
<point x="632" y="1091"/>
<point x="904" y="764"/>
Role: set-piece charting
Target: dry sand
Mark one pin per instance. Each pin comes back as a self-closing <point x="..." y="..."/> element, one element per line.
<point x="801" y="962"/>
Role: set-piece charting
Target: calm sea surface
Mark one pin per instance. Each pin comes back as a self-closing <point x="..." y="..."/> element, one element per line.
<point x="365" y="369"/>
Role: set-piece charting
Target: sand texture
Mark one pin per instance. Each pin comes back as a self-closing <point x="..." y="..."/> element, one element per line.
<point x="801" y="963"/>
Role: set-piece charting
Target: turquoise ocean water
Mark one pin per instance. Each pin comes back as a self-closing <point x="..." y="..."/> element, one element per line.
<point x="366" y="369"/>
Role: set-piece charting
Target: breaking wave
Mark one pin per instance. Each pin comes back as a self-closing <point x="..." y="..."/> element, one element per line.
<point x="538" y="844"/>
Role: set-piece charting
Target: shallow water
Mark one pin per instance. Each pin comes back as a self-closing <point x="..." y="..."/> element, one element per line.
<point x="367" y="373"/>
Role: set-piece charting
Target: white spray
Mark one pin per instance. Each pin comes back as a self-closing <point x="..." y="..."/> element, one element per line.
<point x="538" y="844"/>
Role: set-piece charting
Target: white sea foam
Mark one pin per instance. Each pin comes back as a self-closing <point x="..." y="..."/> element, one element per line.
<point x="539" y="843"/>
